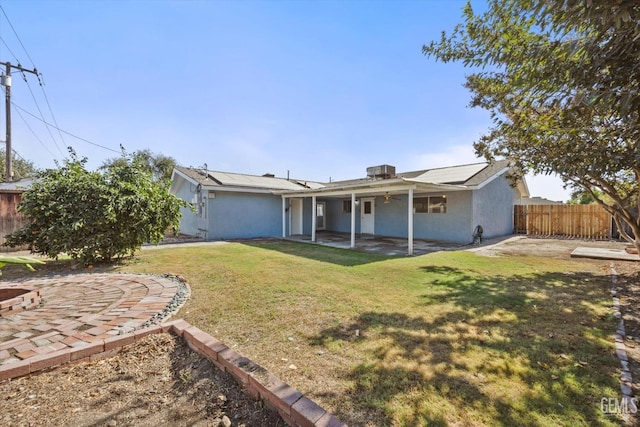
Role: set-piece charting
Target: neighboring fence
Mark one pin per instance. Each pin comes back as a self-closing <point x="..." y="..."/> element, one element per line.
<point x="578" y="221"/>
<point x="10" y="218"/>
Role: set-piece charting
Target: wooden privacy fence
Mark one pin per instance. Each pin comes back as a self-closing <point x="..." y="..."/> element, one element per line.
<point x="577" y="221"/>
<point x="10" y="218"/>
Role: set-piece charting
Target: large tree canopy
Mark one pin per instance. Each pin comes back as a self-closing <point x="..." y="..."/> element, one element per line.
<point x="562" y="84"/>
<point x="159" y="165"/>
<point x="21" y="168"/>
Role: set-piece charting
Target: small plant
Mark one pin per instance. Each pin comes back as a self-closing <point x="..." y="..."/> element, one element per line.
<point x="19" y="260"/>
<point x="186" y="375"/>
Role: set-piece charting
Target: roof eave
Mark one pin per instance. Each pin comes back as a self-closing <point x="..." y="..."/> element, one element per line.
<point x="399" y="184"/>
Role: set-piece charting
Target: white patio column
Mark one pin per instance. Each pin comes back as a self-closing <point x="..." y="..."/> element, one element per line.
<point x="353" y="220"/>
<point x="410" y="223"/>
<point x="284" y="217"/>
<point x="314" y="218"/>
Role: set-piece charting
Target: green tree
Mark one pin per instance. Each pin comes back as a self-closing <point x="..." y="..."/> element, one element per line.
<point x="581" y="197"/>
<point x="21" y="168"/>
<point x="561" y="82"/>
<point x="159" y="165"/>
<point x="95" y="215"/>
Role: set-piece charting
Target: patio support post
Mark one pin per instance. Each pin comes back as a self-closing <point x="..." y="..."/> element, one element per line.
<point x="410" y="223"/>
<point x="284" y="217"/>
<point x="314" y="218"/>
<point x="353" y="220"/>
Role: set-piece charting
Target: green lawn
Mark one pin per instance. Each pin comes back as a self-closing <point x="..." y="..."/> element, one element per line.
<point x="450" y="338"/>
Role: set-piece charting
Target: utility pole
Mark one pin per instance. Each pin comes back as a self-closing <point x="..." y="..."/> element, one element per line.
<point x="6" y="82"/>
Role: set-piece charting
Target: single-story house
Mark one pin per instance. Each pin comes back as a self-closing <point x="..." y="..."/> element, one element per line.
<point x="445" y="204"/>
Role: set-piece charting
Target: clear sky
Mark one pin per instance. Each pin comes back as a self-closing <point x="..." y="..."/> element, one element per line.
<point x="317" y="89"/>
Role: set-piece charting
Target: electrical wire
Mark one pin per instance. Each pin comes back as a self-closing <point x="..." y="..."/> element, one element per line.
<point x="65" y="132"/>
<point x="40" y="82"/>
<point x="42" y="115"/>
<point x="35" y="135"/>
<point x="9" y="49"/>
<point x="33" y="132"/>
<point x="16" y="154"/>
<point x="41" y="118"/>
<point x="17" y="36"/>
<point x="46" y="98"/>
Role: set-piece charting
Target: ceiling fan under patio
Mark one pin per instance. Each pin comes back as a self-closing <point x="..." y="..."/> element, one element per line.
<point x="388" y="198"/>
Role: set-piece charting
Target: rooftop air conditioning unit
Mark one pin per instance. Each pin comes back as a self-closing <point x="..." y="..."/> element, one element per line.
<point x="382" y="171"/>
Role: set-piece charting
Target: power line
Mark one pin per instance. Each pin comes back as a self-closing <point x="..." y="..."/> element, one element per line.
<point x="41" y="84"/>
<point x="17" y="36"/>
<point x="9" y="49"/>
<point x="46" y="98"/>
<point x="41" y="118"/>
<point x="65" y="132"/>
<point x="41" y="115"/>
<point x="34" y="134"/>
<point x="40" y="81"/>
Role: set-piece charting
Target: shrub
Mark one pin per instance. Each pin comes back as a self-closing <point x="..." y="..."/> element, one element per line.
<point x="95" y="216"/>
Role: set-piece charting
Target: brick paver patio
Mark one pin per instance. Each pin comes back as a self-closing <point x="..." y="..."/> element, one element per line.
<point x="80" y="309"/>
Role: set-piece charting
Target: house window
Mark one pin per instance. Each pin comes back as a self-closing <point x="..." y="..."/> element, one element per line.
<point x="421" y="205"/>
<point x="346" y="206"/>
<point x="431" y="204"/>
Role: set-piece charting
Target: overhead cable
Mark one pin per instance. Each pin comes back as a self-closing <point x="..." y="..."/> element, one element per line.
<point x="17" y="36"/>
<point x="65" y="132"/>
<point x="36" y="136"/>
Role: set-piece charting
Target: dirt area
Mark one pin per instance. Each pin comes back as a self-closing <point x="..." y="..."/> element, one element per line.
<point x="545" y="247"/>
<point x="158" y="381"/>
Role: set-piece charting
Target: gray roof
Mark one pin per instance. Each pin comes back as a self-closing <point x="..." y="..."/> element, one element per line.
<point x="468" y="175"/>
<point x="450" y="175"/>
<point x="228" y="179"/>
<point x="17" y="186"/>
<point x="461" y="176"/>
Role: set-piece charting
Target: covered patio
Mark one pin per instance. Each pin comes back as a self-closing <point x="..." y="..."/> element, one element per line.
<point x="359" y="197"/>
<point x="391" y="246"/>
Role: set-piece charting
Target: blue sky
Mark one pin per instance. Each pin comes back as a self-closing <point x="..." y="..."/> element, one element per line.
<point x="318" y="89"/>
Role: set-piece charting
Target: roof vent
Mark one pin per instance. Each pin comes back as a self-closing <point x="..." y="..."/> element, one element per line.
<point x="269" y="175"/>
<point x="382" y="171"/>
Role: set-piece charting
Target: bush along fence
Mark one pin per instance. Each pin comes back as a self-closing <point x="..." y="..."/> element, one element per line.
<point x="574" y="221"/>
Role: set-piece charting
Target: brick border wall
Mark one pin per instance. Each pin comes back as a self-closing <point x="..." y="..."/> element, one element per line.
<point x="14" y="300"/>
<point x="294" y="408"/>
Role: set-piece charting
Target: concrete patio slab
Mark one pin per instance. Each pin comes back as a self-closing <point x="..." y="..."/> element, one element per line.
<point x="604" y="253"/>
<point x="390" y="246"/>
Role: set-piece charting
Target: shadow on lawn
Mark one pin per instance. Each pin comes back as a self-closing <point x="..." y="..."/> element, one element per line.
<point x="344" y="257"/>
<point x="519" y="350"/>
<point x="54" y="267"/>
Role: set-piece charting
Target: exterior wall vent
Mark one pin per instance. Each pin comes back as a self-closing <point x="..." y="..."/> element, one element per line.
<point x="382" y="171"/>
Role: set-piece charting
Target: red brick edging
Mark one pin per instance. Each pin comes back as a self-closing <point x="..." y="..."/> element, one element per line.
<point x="294" y="408"/>
<point x="14" y="300"/>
